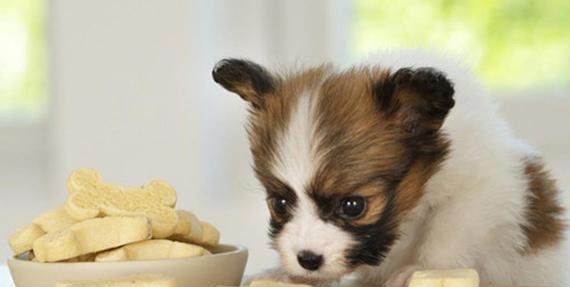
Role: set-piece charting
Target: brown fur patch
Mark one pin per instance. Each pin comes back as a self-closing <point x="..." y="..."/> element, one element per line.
<point x="410" y="189"/>
<point x="363" y="147"/>
<point x="267" y="124"/>
<point x="369" y="148"/>
<point x="360" y="145"/>
<point x="544" y="214"/>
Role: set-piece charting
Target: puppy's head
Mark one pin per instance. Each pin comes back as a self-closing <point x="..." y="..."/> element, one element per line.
<point x="343" y="156"/>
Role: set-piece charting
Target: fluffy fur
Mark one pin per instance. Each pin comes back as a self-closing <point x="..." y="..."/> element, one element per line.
<point x="447" y="185"/>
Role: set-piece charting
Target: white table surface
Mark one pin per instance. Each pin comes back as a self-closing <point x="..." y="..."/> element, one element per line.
<point x="6" y="279"/>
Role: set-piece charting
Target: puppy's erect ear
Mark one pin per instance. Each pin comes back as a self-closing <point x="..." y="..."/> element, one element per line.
<point x="418" y="99"/>
<point x="245" y="78"/>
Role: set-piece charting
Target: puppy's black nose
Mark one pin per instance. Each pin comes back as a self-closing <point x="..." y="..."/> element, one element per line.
<point x="309" y="260"/>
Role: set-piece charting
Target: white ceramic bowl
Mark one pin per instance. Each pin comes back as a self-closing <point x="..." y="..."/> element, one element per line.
<point x="224" y="267"/>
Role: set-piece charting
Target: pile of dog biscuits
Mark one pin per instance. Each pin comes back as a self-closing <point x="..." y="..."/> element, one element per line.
<point x="100" y="221"/>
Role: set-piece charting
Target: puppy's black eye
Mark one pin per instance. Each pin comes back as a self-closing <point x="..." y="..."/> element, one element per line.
<point x="279" y="205"/>
<point x="352" y="207"/>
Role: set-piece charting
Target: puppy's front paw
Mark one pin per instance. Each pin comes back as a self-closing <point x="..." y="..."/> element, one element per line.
<point x="276" y="274"/>
<point x="402" y="277"/>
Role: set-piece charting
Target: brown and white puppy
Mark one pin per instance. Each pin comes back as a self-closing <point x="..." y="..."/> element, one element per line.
<point x="371" y="170"/>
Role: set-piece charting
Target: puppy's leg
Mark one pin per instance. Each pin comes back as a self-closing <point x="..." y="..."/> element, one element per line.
<point x="449" y="241"/>
<point x="459" y="236"/>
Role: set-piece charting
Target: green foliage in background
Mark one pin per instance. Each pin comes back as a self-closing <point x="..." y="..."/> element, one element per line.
<point x="513" y="44"/>
<point x="22" y="59"/>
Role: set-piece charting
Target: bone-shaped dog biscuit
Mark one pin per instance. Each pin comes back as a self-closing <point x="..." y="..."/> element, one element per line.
<point x="90" y="257"/>
<point x="23" y="239"/>
<point x="445" y="278"/>
<point x="207" y="235"/>
<point x="210" y="235"/>
<point x="184" y="225"/>
<point x="189" y="227"/>
<point x="146" y="280"/>
<point x="152" y="250"/>
<point x="90" y="236"/>
<point x="90" y="197"/>
<point x="267" y="283"/>
<point x="54" y="220"/>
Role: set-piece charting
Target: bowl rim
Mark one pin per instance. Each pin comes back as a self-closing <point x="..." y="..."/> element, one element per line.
<point x="234" y="249"/>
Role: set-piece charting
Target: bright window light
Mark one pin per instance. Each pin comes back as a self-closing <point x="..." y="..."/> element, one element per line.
<point x="22" y="60"/>
<point x="512" y="44"/>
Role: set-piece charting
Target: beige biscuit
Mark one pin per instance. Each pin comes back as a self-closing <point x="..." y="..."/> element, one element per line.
<point x="445" y="278"/>
<point x="90" y="197"/>
<point x="54" y="220"/>
<point x="82" y="258"/>
<point x="91" y="236"/>
<point x="267" y="283"/>
<point x="184" y="225"/>
<point x="146" y="280"/>
<point x="119" y="254"/>
<point x="23" y="239"/>
<point x="189" y="228"/>
<point x="210" y="235"/>
<point x="152" y="250"/>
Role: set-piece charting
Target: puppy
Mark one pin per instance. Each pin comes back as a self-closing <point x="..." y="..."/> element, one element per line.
<point x="395" y="165"/>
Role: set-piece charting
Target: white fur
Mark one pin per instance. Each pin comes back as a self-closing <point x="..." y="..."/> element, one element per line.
<point x="295" y="164"/>
<point x="474" y="206"/>
<point x="306" y="231"/>
<point x="296" y="156"/>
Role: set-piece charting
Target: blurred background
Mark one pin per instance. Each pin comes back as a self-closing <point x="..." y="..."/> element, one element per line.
<point x="125" y="87"/>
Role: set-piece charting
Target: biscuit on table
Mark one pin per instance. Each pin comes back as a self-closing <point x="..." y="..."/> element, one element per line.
<point x="268" y="283"/>
<point x="445" y="278"/>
